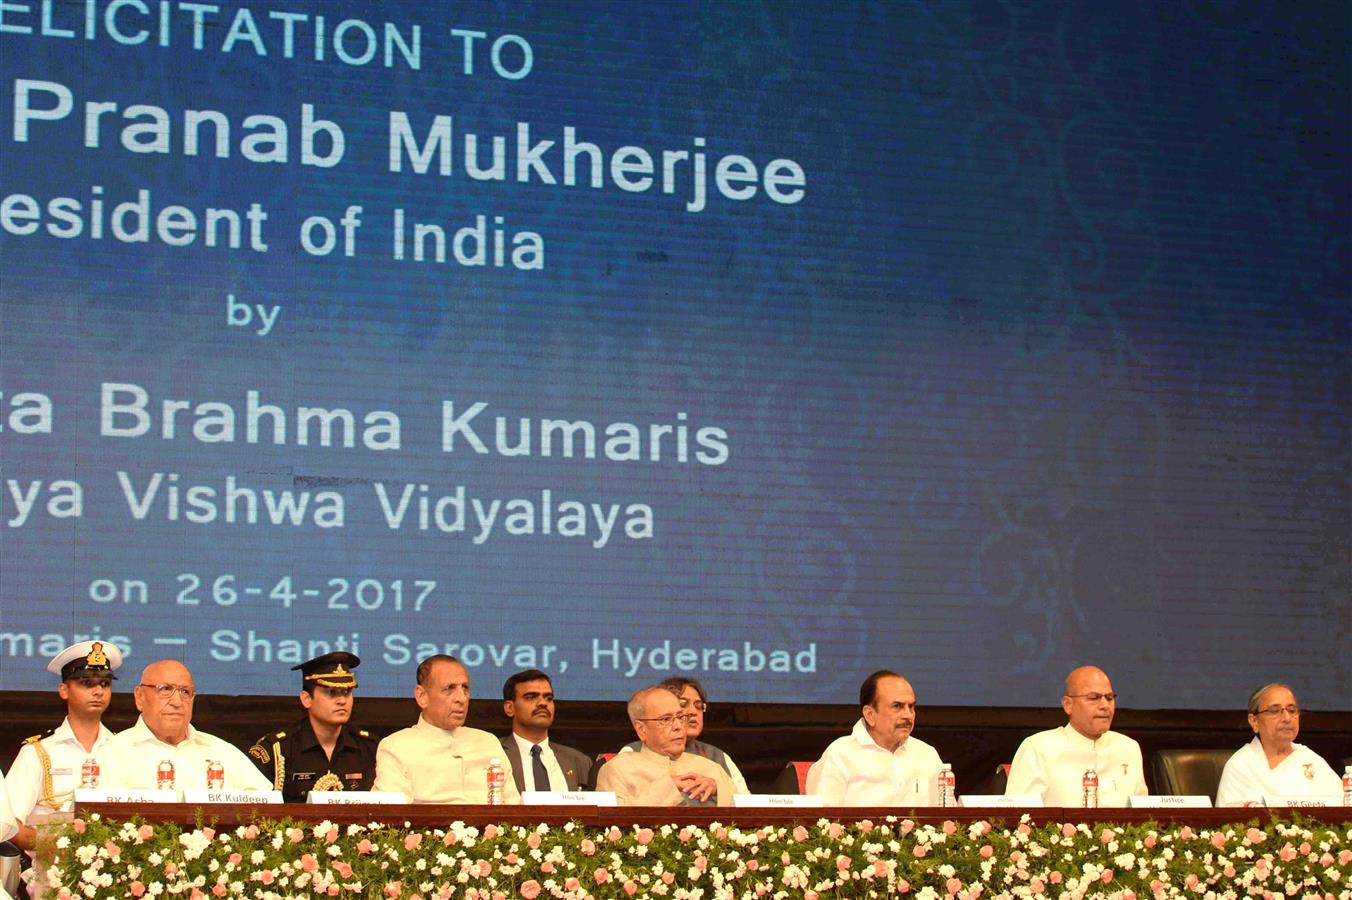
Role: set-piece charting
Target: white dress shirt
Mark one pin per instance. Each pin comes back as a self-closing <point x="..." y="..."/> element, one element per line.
<point x="131" y="760"/>
<point x="557" y="780"/>
<point x="856" y="771"/>
<point x="26" y="776"/>
<point x="433" y="765"/>
<point x="1248" y="779"/>
<point x="1052" y="764"/>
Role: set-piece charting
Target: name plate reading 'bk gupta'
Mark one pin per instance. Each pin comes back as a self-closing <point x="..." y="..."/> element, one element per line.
<point x="357" y="798"/>
<point x="1303" y="800"/>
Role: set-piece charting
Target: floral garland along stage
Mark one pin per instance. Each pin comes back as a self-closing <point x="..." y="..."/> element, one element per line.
<point x="1296" y="857"/>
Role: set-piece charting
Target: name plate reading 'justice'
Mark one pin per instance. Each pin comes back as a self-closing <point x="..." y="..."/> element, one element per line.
<point x="801" y="801"/>
<point x="1165" y="801"/>
<point x="224" y="796"/>
<point x="356" y="798"/>
<point x="568" y="798"/>
<point x="125" y="795"/>
<point x="1001" y="801"/>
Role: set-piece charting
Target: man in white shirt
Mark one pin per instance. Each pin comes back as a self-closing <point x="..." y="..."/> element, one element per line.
<point x="1052" y="764"/>
<point x="663" y="773"/>
<point x="164" y="732"/>
<point x="879" y="763"/>
<point x="46" y="772"/>
<point x="440" y="759"/>
<point x="539" y="764"/>
<point x="694" y="703"/>
<point x="1273" y="764"/>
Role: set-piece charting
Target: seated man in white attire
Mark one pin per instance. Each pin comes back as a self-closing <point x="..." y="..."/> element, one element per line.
<point x="663" y="773"/>
<point x="164" y="731"/>
<point x="440" y="759"/>
<point x="879" y="763"/>
<point x="1052" y="764"/>
<point x="1273" y="764"/>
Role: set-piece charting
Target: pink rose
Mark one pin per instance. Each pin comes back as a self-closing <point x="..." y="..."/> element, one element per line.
<point x="1156" y="886"/>
<point x="572" y="884"/>
<point x="485" y="868"/>
<point x="113" y="850"/>
<point x="412" y="840"/>
<point x="145" y="832"/>
<point x="907" y="826"/>
<point x="614" y="833"/>
<point x="1287" y="853"/>
<point x="1191" y="881"/>
<point x="547" y="867"/>
<point x="1107" y="837"/>
<point x="588" y="847"/>
<point x="308" y="863"/>
<point x="843" y="863"/>
<point x="903" y="886"/>
<point x="533" y="841"/>
<point x="235" y="859"/>
<point x="209" y="833"/>
<point x="512" y="859"/>
<point x="1037" y="886"/>
<point x="809" y="895"/>
<point x="987" y="851"/>
<point x="753" y="865"/>
<point x="195" y="895"/>
<point x="530" y="889"/>
<point x="631" y="888"/>
<point x="1218" y="840"/>
<point x="1229" y="872"/>
<point x="266" y="876"/>
<point x="136" y="888"/>
<point x="1068" y="830"/>
<point x="601" y="875"/>
<point x="295" y="835"/>
<point x="721" y="834"/>
<point x="394" y="889"/>
<point x="1186" y="834"/>
<point x="343" y="869"/>
<point x="364" y="847"/>
<point x="251" y="832"/>
<point x="950" y="827"/>
<point x="835" y="830"/>
<point x="1024" y="829"/>
<point x="219" y="889"/>
<point x="1054" y="878"/>
<point x="1305" y="848"/>
<point x="1344" y="857"/>
<point x="170" y="869"/>
<point x="799" y="833"/>
<point x="953" y="885"/>
<point x="78" y="825"/>
<point x="920" y="850"/>
<point x="684" y="835"/>
<point x="332" y="835"/>
<point x="644" y="836"/>
<point x="1107" y="875"/>
<point x="333" y="890"/>
<point x="1150" y="841"/>
<point x="879" y="868"/>
<point x="668" y="877"/>
<point x="490" y="831"/>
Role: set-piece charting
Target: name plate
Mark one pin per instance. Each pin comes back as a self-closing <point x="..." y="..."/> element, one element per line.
<point x="803" y="801"/>
<point x="224" y="796"/>
<point x="568" y="798"/>
<point x="125" y="795"/>
<point x="1303" y="800"/>
<point x="354" y="798"/>
<point x="1001" y="801"/>
<point x="1162" y="801"/>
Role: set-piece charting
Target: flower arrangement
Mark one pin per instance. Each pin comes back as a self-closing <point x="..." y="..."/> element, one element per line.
<point x="97" y="858"/>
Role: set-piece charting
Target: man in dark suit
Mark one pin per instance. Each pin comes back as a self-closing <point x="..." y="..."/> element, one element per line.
<point x="538" y="764"/>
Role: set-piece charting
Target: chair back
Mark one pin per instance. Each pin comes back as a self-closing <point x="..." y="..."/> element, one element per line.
<point x="1189" y="771"/>
<point x="793" y="778"/>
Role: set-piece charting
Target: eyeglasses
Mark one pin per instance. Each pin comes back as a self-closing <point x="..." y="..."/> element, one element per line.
<point x="1095" y="697"/>
<point x="668" y="721"/>
<point x="1273" y="712"/>
<point x="697" y="704"/>
<point x="165" y="691"/>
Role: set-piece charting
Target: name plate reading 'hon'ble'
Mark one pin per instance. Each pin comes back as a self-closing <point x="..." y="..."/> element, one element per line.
<point x="1303" y="800"/>
<point x="125" y="795"/>
<point x="1166" y="801"/>
<point x="224" y="796"/>
<point x="568" y="798"/>
<point x="1001" y="801"/>
<point x="356" y="798"/>
<point x="801" y="801"/>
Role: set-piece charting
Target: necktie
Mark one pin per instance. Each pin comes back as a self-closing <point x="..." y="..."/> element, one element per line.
<point x="537" y="769"/>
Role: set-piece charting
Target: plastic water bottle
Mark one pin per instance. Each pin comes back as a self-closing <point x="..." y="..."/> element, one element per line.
<point x="1090" y="789"/>
<point x="497" y="781"/>
<point x="215" y="775"/>
<point x="89" y="773"/>
<point x="947" y="785"/>
<point x="1347" y="786"/>
<point x="164" y="775"/>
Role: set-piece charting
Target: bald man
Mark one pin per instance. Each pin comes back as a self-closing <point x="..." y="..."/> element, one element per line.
<point x="1052" y="764"/>
<point x="663" y="773"/>
<point x="164" y="731"/>
<point x="879" y="763"/>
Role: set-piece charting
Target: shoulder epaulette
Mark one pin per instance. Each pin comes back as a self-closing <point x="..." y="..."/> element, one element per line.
<point x="38" y="737"/>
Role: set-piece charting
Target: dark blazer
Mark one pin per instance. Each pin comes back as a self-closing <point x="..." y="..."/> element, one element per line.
<point x="576" y="765"/>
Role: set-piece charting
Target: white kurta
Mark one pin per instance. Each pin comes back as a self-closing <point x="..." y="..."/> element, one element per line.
<point x="645" y="778"/>
<point x="1247" y="779"/>
<point x="433" y="765"/>
<point x="131" y="759"/>
<point x="856" y="771"/>
<point x="8" y="826"/>
<point x="67" y="755"/>
<point x="1052" y="764"/>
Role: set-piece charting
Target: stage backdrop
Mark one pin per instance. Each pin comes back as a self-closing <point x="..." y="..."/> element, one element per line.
<point x="769" y="343"/>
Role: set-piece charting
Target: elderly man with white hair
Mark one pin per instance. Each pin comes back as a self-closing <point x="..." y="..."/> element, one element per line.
<point x="663" y="773"/>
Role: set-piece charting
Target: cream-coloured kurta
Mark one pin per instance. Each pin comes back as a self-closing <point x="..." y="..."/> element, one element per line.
<point x="1247" y="779"/>
<point x="130" y="760"/>
<point x="67" y="755"/>
<point x="1052" y="764"/>
<point x="856" y="771"/>
<point x="645" y="778"/>
<point x="433" y="765"/>
<point x="8" y="826"/>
